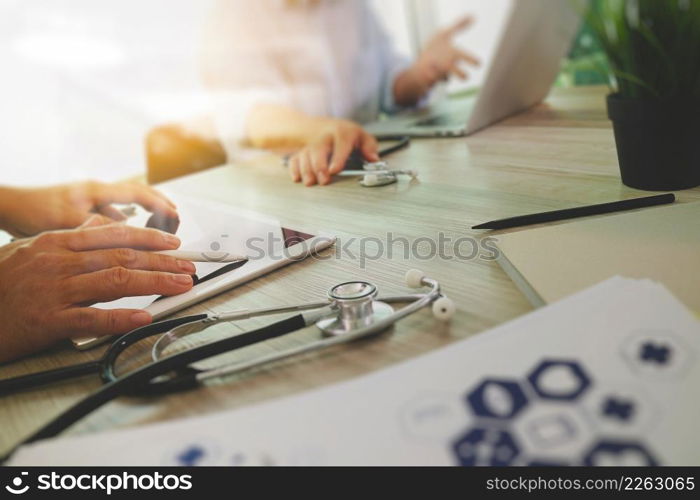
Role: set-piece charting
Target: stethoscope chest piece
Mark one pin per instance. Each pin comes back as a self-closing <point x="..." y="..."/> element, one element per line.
<point x="356" y="306"/>
<point x="378" y="180"/>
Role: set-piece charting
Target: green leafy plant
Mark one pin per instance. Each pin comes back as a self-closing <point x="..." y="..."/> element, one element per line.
<point x="652" y="46"/>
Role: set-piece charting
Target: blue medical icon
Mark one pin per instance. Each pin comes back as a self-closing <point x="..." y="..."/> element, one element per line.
<point x="191" y="456"/>
<point x="619" y="453"/>
<point x="502" y="399"/>
<point x="559" y="380"/>
<point x="618" y="409"/>
<point x="482" y="446"/>
<point x="655" y="353"/>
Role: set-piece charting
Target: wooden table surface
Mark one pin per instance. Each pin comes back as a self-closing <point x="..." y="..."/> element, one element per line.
<point x="557" y="155"/>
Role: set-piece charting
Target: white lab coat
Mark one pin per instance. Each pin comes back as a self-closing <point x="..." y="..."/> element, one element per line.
<point x="331" y="58"/>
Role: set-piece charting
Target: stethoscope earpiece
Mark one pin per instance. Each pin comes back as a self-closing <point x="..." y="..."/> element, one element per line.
<point x="414" y="278"/>
<point x="444" y="309"/>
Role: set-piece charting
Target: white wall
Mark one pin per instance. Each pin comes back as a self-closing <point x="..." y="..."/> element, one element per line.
<point x="82" y="81"/>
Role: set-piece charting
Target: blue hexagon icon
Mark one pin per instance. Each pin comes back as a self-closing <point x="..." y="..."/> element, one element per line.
<point x="559" y="380"/>
<point x="617" y="453"/>
<point x="502" y="399"/>
<point x="191" y="456"/>
<point x="483" y="446"/>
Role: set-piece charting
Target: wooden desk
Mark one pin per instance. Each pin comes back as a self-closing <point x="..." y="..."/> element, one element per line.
<point x="557" y="155"/>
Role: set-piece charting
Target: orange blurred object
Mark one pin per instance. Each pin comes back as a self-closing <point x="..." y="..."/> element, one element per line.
<point x="174" y="150"/>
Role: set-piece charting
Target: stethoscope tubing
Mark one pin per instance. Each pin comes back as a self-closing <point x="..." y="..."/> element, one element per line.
<point x="128" y="383"/>
<point x="48" y="377"/>
<point x="41" y="379"/>
<point x="197" y="326"/>
<point x="228" y="344"/>
<point x="143" y="381"/>
<point x="403" y="142"/>
<point x="105" y="365"/>
<point x="418" y="302"/>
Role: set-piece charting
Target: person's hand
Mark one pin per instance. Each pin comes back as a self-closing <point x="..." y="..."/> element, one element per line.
<point x="48" y="282"/>
<point x="27" y="212"/>
<point x="327" y="153"/>
<point x="439" y="60"/>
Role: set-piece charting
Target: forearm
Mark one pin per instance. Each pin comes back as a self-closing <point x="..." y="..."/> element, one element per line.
<point x="409" y="88"/>
<point x="8" y="205"/>
<point x="272" y="126"/>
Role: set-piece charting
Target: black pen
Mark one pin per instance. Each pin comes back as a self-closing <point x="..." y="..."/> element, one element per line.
<point x="572" y="213"/>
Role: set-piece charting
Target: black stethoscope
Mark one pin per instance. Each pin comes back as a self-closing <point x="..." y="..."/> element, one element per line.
<point x="350" y="312"/>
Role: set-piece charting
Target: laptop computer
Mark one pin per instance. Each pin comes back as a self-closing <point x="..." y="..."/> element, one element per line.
<point x="537" y="35"/>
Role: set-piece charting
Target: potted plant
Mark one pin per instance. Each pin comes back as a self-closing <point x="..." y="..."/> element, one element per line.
<point x="653" y="51"/>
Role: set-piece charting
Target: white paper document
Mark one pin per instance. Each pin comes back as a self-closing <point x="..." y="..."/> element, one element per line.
<point x="609" y="376"/>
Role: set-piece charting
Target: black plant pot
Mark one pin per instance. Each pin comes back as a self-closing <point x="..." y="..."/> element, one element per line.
<point x="658" y="142"/>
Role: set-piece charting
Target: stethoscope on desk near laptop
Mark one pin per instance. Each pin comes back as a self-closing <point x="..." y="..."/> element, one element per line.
<point x="350" y="312"/>
<point x="376" y="174"/>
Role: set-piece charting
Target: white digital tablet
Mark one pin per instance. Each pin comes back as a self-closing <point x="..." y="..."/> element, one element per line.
<point x="221" y="229"/>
